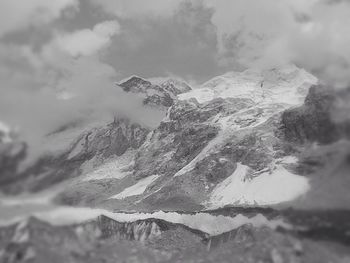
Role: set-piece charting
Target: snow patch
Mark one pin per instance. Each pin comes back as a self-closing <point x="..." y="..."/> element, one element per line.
<point x="116" y="168"/>
<point x="136" y="189"/>
<point x="109" y="170"/>
<point x="21" y="234"/>
<point x="201" y="95"/>
<point x="268" y="188"/>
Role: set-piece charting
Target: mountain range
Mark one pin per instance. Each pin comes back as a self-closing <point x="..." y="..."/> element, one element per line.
<point x="257" y="139"/>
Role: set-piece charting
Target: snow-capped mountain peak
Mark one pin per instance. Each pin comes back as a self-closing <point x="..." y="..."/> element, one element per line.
<point x="135" y="84"/>
<point x="288" y="85"/>
<point x="156" y="92"/>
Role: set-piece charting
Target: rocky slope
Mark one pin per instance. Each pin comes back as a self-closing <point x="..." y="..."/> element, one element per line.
<point x="78" y="148"/>
<point x="105" y="239"/>
<point x="12" y="152"/>
<point x="96" y="144"/>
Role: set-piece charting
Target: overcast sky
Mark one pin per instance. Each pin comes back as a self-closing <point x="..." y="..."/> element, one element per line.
<point x="193" y="39"/>
<point x="83" y="46"/>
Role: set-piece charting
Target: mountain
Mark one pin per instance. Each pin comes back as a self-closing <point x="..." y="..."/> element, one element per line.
<point x="252" y="138"/>
<point x="241" y="139"/>
<point x="251" y="166"/>
<point x="79" y="147"/>
<point x="218" y="145"/>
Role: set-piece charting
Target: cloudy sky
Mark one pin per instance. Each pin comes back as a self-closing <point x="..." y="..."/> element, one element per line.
<point x="80" y="47"/>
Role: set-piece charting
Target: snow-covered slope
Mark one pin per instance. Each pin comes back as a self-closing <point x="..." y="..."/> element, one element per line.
<point x="268" y="188"/>
<point x="136" y="189"/>
<point x="285" y="85"/>
<point x="114" y="168"/>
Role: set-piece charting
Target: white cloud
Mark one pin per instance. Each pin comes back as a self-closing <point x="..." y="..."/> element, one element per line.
<point x="87" y="42"/>
<point x="247" y="27"/>
<point x="312" y="33"/>
<point x="70" y="63"/>
<point x="323" y="43"/>
<point x="253" y="33"/>
<point x="17" y="14"/>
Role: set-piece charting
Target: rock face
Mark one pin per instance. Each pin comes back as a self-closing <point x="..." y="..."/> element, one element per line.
<point x="11" y="155"/>
<point x="12" y="152"/>
<point x="103" y="239"/>
<point x="137" y="230"/>
<point x="141" y="230"/>
<point x="100" y="143"/>
<point x="313" y="122"/>
<point x="162" y="94"/>
<point x="177" y="140"/>
<point x="114" y="139"/>
<point x="33" y="240"/>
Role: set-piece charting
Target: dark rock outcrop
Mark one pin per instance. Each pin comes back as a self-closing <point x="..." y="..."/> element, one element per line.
<point x="313" y="122"/>
<point x="135" y="85"/>
<point x="11" y="155"/>
<point x="162" y="95"/>
<point x="114" y="139"/>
